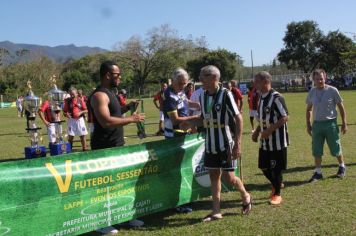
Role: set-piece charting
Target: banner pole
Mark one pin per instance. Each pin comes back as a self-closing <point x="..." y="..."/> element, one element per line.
<point x="240" y="169"/>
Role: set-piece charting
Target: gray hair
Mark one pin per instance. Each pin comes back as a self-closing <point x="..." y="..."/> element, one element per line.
<point x="179" y="73"/>
<point x="263" y="75"/>
<point x="210" y="70"/>
<point x="72" y="89"/>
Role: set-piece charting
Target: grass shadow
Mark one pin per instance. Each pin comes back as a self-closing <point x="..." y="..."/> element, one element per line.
<point x="6" y="160"/>
<point x="308" y="168"/>
<point x="12" y="134"/>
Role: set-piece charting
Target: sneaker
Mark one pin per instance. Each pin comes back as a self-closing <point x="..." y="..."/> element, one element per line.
<point x="341" y="172"/>
<point x="184" y="209"/>
<point x="316" y="177"/>
<point x="107" y="230"/>
<point x="133" y="223"/>
<point x="276" y="200"/>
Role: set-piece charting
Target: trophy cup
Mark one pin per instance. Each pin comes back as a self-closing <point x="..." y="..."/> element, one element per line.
<point x="32" y="104"/>
<point x="56" y="102"/>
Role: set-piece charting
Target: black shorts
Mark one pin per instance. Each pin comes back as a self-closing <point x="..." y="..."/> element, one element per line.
<point x="272" y="159"/>
<point x="221" y="160"/>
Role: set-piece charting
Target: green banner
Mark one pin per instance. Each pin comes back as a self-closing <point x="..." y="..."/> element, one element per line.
<point x="80" y="192"/>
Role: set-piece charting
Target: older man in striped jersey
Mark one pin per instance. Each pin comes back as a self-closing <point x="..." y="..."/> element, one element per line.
<point x="221" y="149"/>
<point x="272" y="115"/>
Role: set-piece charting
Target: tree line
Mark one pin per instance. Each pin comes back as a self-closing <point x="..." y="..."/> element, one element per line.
<point x="148" y="61"/>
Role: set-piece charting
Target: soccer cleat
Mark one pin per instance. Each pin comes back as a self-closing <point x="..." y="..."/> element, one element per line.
<point x="276" y="200"/>
<point x="316" y="176"/>
<point x="341" y="172"/>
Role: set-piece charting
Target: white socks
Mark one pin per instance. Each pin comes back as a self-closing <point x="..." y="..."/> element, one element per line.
<point x="317" y="170"/>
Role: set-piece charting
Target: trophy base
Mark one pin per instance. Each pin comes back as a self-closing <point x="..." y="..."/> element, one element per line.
<point x="33" y="152"/>
<point x="59" y="148"/>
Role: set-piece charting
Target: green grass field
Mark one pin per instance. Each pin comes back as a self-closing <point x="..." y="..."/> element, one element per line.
<point x="327" y="207"/>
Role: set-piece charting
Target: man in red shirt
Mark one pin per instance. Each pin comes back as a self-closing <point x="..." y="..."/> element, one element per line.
<point x="75" y="109"/>
<point x="237" y="95"/>
<point x="158" y="101"/>
<point x="122" y="97"/>
<point x="189" y="90"/>
<point x="253" y="97"/>
<point x="48" y="116"/>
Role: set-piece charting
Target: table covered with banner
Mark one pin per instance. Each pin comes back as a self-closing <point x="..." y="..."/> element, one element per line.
<point x="80" y="192"/>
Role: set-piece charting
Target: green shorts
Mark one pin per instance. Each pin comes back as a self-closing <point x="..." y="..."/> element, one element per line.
<point x="329" y="131"/>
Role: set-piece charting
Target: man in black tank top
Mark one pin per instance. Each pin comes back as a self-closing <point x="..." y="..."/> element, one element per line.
<point x="107" y="117"/>
<point x="107" y="112"/>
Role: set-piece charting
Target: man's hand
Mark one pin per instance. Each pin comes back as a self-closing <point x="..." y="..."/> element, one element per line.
<point x="236" y="151"/>
<point x="343" y="128"/>
<point x="134" y="103"/>
<point x="255" y="135"/>
<point x="265" y="134"/>
<point x="138" y="117"/>
<point x="195" y="105"/>
<point x="309" y="129"/>
<point x="185" y="125"/>
<point x="82" y="113"/>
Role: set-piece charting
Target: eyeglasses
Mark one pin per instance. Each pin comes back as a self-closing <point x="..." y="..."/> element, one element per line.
<point x="115" y="74"/>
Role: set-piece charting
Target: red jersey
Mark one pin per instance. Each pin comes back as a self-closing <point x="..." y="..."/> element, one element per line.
<point x="158" y="97"/>
<point x="122" y="100"/>
<point x="237" y="94"/>
<point x="73" y="106"/>
<point x="47" y="111"/>
<point x="189" y="93"/>
<point x="253" y="97"/>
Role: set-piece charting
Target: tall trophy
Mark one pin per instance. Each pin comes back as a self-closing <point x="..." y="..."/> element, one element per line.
<point x="56" y="103"/>
<point x="32" y="104"/>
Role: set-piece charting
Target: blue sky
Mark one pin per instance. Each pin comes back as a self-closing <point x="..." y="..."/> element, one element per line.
<point x="239" y="26"/>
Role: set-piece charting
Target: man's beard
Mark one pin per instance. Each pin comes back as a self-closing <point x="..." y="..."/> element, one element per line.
<point x="113" y="84"/>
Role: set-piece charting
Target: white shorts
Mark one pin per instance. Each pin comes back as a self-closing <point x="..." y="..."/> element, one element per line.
<point x="161" y="116"/>
<point x="19" y="108"/>
<point x="253" y="113"/>
<point x="51" y="129"/>
<point x="77" y="127"/>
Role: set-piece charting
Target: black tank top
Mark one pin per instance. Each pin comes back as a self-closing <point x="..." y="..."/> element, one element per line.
<point x="107" y="137"/>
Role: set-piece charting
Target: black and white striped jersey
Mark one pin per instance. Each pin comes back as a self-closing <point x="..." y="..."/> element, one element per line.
<point x="218" y="111"/>
<point x="270" y="109"/>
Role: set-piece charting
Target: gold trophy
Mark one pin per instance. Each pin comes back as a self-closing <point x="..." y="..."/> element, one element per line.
<point x="32" y="104"/>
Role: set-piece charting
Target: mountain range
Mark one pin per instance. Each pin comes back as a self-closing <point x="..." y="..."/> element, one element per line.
<point x="58" y="53"/>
